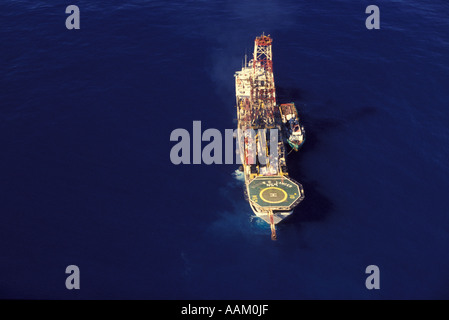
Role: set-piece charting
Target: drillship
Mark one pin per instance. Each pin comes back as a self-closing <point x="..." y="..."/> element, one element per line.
<point x="266" y="132"/>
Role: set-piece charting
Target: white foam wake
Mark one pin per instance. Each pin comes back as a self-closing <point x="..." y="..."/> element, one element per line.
<point x="238" y="175"/>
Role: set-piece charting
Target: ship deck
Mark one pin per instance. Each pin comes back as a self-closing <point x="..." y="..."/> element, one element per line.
<point x="275" y="192"/>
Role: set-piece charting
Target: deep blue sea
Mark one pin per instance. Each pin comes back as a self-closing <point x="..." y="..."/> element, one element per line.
<point x="86" y="177"/>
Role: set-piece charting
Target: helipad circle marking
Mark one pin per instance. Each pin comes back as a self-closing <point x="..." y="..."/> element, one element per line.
<point x="268" y="190"/>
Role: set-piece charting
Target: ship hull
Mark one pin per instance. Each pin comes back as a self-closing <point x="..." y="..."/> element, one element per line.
<point x="277" y="216"/>
<point x="262" y="139"/>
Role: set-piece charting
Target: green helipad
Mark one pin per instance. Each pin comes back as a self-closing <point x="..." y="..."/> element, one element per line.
<point x="275" y="191"/>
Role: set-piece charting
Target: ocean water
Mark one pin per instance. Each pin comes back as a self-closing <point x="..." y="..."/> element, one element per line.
<point x="86" y="177"/>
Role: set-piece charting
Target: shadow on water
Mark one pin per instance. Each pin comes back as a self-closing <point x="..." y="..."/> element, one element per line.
<point x="318" y="128"/>
<point x="289" y="94"/>
<point x="316" y="205"/>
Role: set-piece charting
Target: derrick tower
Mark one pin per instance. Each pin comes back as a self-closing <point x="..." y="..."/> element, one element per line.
<point x="263" y="94"/>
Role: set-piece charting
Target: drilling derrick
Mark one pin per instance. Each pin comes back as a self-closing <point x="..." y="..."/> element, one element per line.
<point x="263" y="94"/>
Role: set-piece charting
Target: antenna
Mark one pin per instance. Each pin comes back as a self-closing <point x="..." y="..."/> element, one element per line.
<point x="246" y="64"/>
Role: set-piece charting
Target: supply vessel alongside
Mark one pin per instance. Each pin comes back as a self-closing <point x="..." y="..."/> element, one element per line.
<point x="265" y="132"/>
